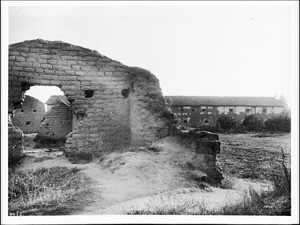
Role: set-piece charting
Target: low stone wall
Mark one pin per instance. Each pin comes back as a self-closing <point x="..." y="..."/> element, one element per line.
<point x="206" y="146"/>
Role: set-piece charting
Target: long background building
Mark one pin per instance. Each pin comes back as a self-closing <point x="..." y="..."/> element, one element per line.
<point x="205" y="110"/>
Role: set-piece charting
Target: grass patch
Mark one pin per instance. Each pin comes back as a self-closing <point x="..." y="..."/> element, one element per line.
<point x="171" y="206"/>
<point x="276" y="202"/>
<point x="178" y="210"/>
<point x="47" y="191"/>
<point x="265" y="135"/>
<point x="41" y="159"/>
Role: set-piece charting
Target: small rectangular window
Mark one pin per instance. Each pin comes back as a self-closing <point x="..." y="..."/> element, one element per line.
<point x="27" y="122"/>
<point x="230" y="110"/>
<point x="125" y="92"/>
<point x="88" y="93"/>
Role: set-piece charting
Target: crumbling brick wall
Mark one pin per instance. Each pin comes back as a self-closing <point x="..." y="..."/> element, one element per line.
<point x="30" y="116"/>
<point x="113" y="105"/>
<point x="15" y="139"/>
<point x="207" y="147"/>
<point x="56" y="123"/>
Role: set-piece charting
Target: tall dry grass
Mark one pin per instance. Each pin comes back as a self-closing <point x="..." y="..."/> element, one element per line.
<point x="47" y="191"/>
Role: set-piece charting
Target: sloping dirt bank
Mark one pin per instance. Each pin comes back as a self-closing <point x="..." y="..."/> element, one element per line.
<point x="128" y="181"/>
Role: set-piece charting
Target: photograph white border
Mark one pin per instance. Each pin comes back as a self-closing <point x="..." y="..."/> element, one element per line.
<point x="106" y="219"/>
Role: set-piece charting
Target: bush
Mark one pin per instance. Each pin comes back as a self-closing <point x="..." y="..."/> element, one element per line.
<point x="281" y="123"/>
<point x="226" y="122"/>
<point x="253" y="122"/>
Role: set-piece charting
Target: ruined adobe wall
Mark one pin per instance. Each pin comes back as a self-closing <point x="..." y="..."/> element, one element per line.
<point x="30" y="116"/>
<point x="149" y="108"/>
<point x="126" y="107"/>
<point x="207" y="147"/>
<point x="56" y="123"/>
<point x="15" y="146"/>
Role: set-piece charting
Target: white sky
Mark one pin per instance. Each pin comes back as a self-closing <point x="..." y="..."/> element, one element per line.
<point x="194" y="49"/>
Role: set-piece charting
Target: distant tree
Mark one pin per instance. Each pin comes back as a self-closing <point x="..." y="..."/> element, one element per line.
<point x="253" y="122"/>
<point x="283" y="100"/>
<point x="226" y="122"/>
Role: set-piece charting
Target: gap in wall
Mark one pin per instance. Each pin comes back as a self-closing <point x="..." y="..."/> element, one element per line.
<point x="55" y="122"/>
<point x="43" y="93"/>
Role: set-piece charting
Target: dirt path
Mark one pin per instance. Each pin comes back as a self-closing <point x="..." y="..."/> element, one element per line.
<point x="132" y="180"/>
<point x="134" y="175"/>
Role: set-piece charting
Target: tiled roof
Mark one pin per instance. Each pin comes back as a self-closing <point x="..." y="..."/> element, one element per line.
<point x="221" y="101"/>
<point x="55" y="98"/>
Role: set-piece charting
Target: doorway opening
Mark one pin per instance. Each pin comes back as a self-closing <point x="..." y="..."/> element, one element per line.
<point x="50" y="116"/>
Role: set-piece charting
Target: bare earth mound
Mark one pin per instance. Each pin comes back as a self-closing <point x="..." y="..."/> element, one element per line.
<point x="138" y="180"/>
<point x="124" y="182"/>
